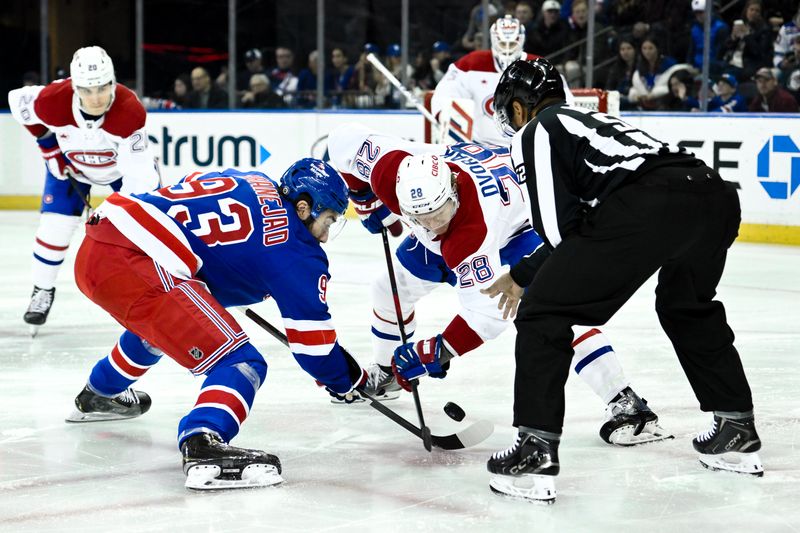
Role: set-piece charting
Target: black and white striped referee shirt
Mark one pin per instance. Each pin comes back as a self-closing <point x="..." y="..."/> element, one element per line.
<point x="572" y="157"/>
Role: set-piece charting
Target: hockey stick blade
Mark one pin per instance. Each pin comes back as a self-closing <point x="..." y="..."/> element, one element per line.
<point x="475" y="433"/>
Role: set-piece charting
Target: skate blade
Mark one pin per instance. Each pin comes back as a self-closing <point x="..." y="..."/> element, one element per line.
<point x="624" y="436"/>
<point x="33" y="330"/>
<point x="79" y="416"/>
<point x="532" y="488"/>
<point x="391" y="395"/>
<point x="736" y="462"/>
<point x="205" y="477"/>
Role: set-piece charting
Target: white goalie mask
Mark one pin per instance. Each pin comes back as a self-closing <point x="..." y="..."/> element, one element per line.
<point x="92" y="67"/>
<point x="425" y="191"/>
<point x="508" y="40"/>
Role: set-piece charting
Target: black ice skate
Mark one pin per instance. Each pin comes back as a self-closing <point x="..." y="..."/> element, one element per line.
<point x="91" y="407"/>
<point x="629" y="421"/>
<point x="730" y="445"/>
<point x="39" y="308"/>
<point x="210" y="464"/>
<point x="527" y="469"/>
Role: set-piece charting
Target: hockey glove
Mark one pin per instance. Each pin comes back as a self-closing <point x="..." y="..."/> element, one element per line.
<point x="358" y="378"/>
<point x="414" y="360"/>
<point x="58" y="165"/>
<point x="373" y="213"/>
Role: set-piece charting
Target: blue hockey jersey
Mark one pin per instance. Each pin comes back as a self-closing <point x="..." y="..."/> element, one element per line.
<point x="233" y="231"/>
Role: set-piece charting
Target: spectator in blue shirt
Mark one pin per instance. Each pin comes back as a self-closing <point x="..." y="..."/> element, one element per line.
<point x="727" y="99"/>
<point x="719" y="36"/>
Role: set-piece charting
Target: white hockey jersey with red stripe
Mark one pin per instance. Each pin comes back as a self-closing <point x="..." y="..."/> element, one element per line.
<point x="113" y="147"/>
<point x="490" y="229"/>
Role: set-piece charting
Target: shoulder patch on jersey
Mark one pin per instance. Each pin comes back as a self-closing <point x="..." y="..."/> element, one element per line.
<point x="383" y="178"/>
<point x="479" y="60"/>
<point x="126" y="114"/>
<point x="54" y="104"/>
<point x="468" y="228"/>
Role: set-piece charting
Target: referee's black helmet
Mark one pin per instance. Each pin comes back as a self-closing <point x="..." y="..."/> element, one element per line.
<point x="529" y="81"/>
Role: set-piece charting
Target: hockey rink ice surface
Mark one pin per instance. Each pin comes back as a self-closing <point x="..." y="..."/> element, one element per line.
<point x="348" y="468"/>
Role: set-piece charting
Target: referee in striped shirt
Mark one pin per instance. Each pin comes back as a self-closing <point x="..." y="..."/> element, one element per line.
<point x="613" y="205"/>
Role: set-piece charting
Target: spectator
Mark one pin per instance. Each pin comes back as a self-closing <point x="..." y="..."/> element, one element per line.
<point x="367" y="75"/>
<point x="719" y="36"/>
<point x="204" y="95"/>
<point x="30" y="78"/>
<point x="750" y="44"/>
<point x="524" y="13"/>
<point x="650" y="79"/>
<point x="681" y="95"/>
<point x="253" y="65"/>
<point x="423" y="78"/>
<point x="343" y="78"/>
<point x="392" y="97"/>
<point x="783" y="41"/>
<point x="550" y="33"/>
<point x="472" y="38"/>
<point x="441" y="59"/>
<point x="282" y="79"/>
<point x="620" y="74"/>
<point x="221" y="80"/>
<point x="576" y="57"/>
<point x="727" y="98"/>
<point x="771" y="98"/>
<point x="180" y="90"/>
<point x="791" y="73"/>
<point x="307" y="82"/>
<point x="624" y="13"/>
<point x="260" y="95"/>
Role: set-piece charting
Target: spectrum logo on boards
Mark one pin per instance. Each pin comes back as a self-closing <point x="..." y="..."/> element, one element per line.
<point x="208" y="150"/>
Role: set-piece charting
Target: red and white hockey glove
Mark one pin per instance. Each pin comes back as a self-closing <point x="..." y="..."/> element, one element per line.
<point x="57" y="163"/>
<point x="373" y="213"/>
<point x="414" y="360"/>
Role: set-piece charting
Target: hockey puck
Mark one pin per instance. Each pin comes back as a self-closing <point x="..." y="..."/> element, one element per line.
<point x="454" y="411"/>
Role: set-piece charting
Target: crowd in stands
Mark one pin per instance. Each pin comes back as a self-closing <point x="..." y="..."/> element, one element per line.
<point x="651" y="51"/>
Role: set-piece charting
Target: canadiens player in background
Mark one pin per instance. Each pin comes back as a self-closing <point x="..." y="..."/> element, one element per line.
<point x="166" y="264"/>
<point x="614" y="205"/>
<point x="90" y="130"/>
<point x="469" y="218"/>
<point x="475" y="76"/>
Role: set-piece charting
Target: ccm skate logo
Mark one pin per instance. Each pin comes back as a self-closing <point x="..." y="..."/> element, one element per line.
<point x="93" y="158"/>
<point x="733" y="442"/>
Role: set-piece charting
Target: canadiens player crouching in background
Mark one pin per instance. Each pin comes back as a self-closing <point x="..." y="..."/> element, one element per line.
<point x="166" y="264"/>
<point x="90" y="130"/>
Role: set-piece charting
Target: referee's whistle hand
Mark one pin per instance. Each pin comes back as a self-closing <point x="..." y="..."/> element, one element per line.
<point x="510" y="294"/>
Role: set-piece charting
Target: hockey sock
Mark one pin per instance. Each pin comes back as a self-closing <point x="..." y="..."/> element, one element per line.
<point x="130" y="358"/>
<point x="50" y="247"/>
<point x="227" y="395"/>
<point x="597" y="365"/>
<point x="386" y="335"/>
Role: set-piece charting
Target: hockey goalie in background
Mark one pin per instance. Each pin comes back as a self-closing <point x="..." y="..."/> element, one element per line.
<point x="90" y="130"/>
<point x="463" y="102"/>
<point x="469" y="218"/>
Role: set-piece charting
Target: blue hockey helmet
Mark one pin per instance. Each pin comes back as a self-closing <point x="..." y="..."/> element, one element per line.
<point x="323" y="186"/>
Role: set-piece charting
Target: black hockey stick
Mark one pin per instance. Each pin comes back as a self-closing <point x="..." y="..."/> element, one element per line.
<point x="426" y="431"/>
<point x="475" y="433"/>
<point x="74" y="184"/>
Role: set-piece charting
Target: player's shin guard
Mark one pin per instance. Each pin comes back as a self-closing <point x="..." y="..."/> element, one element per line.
<point x="731" y="444"/>
<point x="226" y="396"/>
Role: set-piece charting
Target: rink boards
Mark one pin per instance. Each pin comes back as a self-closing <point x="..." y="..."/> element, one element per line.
<point x="760" y="153"/>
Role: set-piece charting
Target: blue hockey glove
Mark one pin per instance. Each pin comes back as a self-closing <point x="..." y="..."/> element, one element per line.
<point x="414" y="360"/>
<point x="373" y="214"/>
<point x="357" y="377"/>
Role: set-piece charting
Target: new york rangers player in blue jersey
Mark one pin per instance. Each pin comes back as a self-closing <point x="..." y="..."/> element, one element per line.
<point x="166" y="264"/>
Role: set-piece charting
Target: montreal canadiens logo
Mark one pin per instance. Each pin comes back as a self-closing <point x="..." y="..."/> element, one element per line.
<point x="488" y="106"/>
<point x="93" y="158"/>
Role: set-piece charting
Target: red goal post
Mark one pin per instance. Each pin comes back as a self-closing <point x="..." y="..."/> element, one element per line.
<point x="596" y="99"/>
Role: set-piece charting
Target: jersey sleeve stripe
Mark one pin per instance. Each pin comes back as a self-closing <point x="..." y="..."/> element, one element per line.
<point x="310" y="338"/>
<point x="154" y="232"/>
<point x="544" y="185"/>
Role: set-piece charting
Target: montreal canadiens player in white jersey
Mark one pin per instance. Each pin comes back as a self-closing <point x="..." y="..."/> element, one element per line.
<point x="475" y="76"/>
<point x="167" y="264"/>
<point x="90" y="130"/>
<point x="469" y="218"/>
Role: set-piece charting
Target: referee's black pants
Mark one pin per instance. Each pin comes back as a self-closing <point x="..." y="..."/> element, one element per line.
<point x="681" y="220"/>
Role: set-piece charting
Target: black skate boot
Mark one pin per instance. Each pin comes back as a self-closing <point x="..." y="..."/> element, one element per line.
<point x="527" y="469"/>
<point x="91" y="407"/>
<point x="629" y="421"/>
<point x="39" y="308"/>
<point x="730" y="445"/>
<point x="210" y="464"/>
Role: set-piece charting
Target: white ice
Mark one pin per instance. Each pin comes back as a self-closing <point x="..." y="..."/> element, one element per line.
<point x="349" y="468"/>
